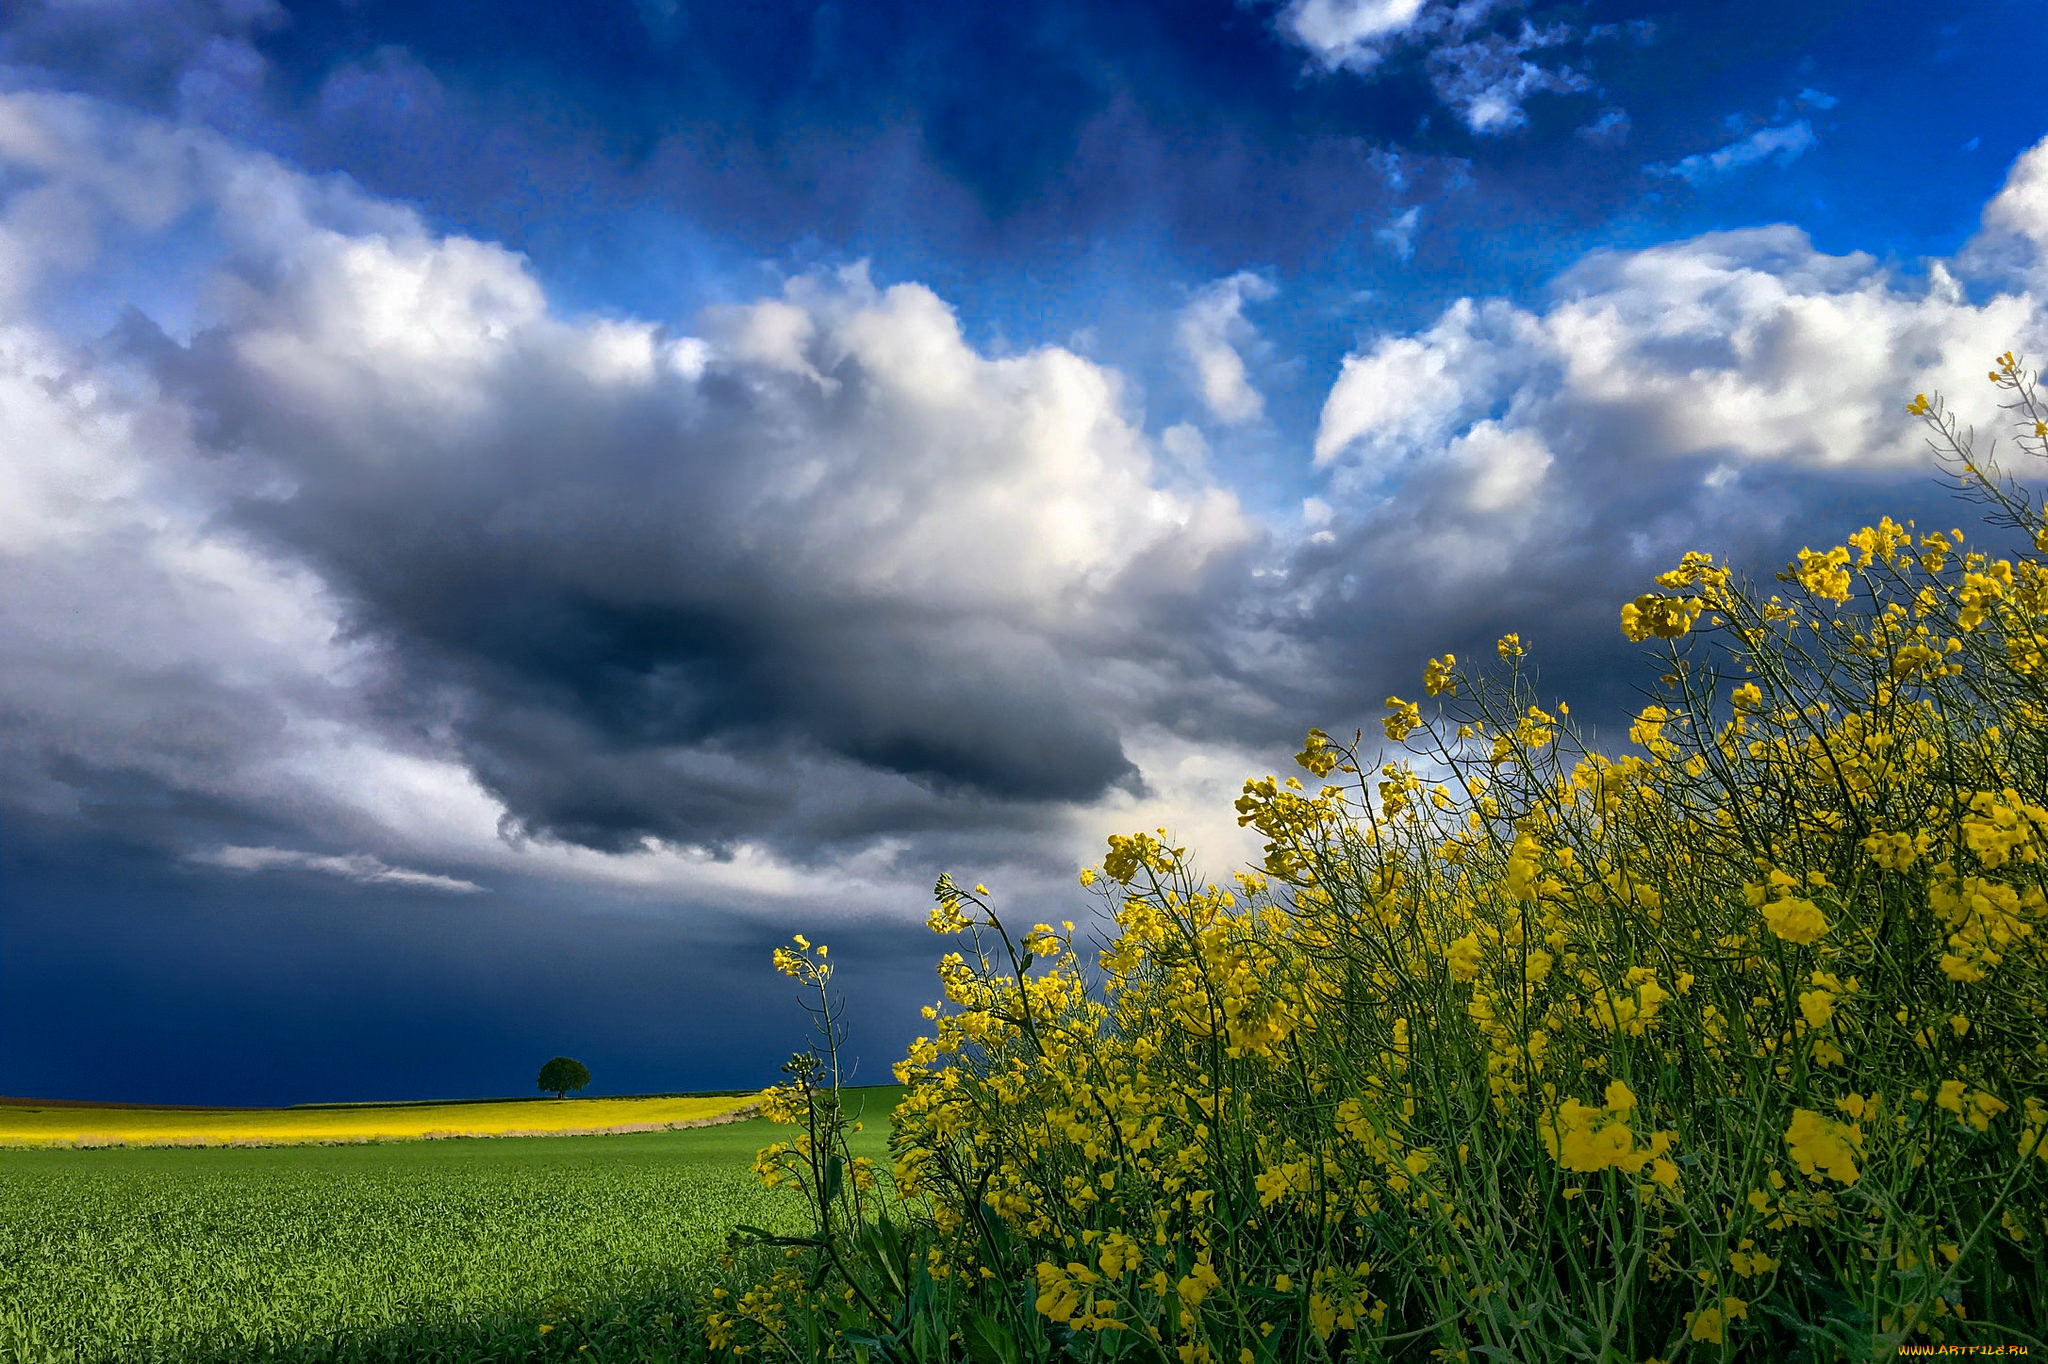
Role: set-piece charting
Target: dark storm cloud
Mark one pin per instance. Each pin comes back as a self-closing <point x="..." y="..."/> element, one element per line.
<point x="626" y="572"/>
<point x="820" y="574"/>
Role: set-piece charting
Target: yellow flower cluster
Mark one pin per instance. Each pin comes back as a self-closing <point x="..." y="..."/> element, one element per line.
<point x="806" y="964"/>
<point x="1587" y="1140"/>
<point x="1821" y="1145"/>
<point x="1663" y="617"/>
<point x="1438" y="679"/>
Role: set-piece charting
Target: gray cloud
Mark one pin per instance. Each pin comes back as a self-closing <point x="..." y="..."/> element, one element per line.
<point x="359" y="867"/>
<point x="854" y="529"/>
<point x="637" y="584"/>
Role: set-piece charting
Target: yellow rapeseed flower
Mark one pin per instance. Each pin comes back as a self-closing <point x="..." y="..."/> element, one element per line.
<point x="1463" y="958"/>
<point x="1976" y="1107"/>
<point x="1403" y="718"/>
<point x="1709" y="1323"/>
<point x="1796" y="920"/>
<point x="1819" y="1145"/>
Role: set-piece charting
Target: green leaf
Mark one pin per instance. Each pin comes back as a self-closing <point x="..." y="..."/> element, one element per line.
<point x="882" y="1245"/>
<point x="998" y="1230"/>
<point x="988" y="1341"/>
<point x="928" y="1338"/>
<point x="835" y="1175"/>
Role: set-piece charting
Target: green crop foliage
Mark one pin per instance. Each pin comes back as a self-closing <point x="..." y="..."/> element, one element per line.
<point x="416" y="1251"/>
<point x="1734" y="1046"/>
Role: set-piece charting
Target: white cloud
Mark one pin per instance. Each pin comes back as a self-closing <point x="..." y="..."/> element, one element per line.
<point x="1353" y="34"/>
<point x="1656" y="393"/>
<point x="1211" y="330"/>
<point x="360" y="867"/>
<point x="141" y="636"/>
<point x="1316" y="516"/>
<point x="2012" y="245"/>
<point x="1408" y="393"/>
<point x="975" y="483"/>
<point x="75" y="180"/>
<point x="1487" y="80"/>
<point x="1195" y="787"/>
<point x="1783" y="143"/>
<point x="769" y="333"/>
<point x="1499" y="469"/>
<point x="1722" y="343"/>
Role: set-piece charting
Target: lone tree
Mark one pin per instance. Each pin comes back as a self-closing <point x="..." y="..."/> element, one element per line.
<point x="561" y="1075"/>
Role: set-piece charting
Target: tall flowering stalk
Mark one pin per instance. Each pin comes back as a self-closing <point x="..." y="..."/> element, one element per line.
<point x="789" y="1314"/>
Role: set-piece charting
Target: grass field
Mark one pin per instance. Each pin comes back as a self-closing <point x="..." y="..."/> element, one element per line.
<point x="457" y="1250"/>
<point x="79" y="1125"/>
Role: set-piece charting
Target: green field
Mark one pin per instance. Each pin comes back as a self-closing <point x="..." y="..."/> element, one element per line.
<point x="452" y="1250"/>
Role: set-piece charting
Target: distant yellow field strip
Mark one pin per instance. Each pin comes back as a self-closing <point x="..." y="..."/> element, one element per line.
<point x="79" y="1126"/>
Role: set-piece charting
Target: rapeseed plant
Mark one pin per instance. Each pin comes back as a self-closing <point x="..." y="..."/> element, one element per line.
<point x="1734" y="1044"/>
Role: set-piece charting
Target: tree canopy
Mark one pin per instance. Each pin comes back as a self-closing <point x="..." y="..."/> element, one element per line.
<point x="562" y="1074"/>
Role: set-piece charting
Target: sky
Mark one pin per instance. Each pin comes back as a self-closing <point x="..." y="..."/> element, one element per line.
<point x="510" y="511"/>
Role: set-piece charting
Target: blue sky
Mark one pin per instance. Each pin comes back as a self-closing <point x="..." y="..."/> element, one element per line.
<point x="509" y="511"/>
